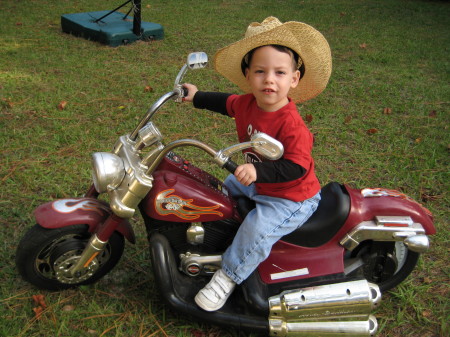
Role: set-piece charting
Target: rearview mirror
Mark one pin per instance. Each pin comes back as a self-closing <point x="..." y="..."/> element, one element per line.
<point x="267" y="146"/>
<point x="194" y="61"/>
<point x="262" y="143"/>
<point x="197" y="60"/>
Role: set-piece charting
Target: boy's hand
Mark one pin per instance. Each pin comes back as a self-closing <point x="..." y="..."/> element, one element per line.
<point x="245" y="174"/>
<point x="192" y="89"/>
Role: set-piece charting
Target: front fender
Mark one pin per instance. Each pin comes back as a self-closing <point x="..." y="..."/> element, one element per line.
<point x="89" y="211"/>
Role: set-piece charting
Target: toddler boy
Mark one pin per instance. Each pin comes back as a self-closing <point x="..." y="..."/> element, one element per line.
<point x="277" y="65"/>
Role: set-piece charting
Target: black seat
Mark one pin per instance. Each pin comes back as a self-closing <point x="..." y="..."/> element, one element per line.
<point x="323" y="224"/>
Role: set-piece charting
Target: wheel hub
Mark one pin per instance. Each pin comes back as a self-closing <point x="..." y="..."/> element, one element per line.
<point x="381" y="267"/>
<point x="63" y="264"/>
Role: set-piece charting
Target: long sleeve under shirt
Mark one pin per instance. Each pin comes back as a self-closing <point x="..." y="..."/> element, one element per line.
<point x="278" y="171"/>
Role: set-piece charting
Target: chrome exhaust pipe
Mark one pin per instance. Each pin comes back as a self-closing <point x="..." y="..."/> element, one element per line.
<point x="325" y="329"/>
<point x="327" y="310"/>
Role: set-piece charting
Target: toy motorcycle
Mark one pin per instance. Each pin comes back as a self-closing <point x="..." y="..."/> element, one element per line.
<point x="324" y="279"/>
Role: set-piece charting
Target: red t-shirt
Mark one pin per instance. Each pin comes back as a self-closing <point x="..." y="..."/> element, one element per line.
<point x="286" y="126"/>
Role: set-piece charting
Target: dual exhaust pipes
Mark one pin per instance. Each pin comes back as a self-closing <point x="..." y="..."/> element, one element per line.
<point x="341" y="309"/>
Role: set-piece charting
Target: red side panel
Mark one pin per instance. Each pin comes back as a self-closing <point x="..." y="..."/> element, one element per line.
<point x="68" y="212"/>
<point x="288" y="262"/>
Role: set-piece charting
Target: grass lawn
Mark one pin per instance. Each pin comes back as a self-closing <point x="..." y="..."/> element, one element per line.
<point x="382" y="121"/>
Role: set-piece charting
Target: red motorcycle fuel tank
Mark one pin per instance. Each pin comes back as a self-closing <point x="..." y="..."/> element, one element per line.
<point x="184" y="193"/>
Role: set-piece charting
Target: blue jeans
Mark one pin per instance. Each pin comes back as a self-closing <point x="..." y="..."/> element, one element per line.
<point x="272" y="219"/>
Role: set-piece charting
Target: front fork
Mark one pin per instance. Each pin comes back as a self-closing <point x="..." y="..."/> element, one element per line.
<point x="98" y="240"/>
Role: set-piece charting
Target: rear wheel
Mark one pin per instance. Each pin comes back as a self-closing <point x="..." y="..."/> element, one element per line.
<point x="44" y="257"/>
<point x="386" y="264"/>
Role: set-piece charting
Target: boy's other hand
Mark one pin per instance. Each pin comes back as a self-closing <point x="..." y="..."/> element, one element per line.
<point x="192" y="89"/>
<point x="245" y="174"/>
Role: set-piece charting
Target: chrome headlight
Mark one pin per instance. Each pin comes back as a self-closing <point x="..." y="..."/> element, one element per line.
<point x="108" y="171"/>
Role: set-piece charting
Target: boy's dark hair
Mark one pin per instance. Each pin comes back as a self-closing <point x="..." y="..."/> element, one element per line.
<point x="247" y="59"/>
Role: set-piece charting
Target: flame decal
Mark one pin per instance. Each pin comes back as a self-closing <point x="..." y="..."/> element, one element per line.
<point x="167" y="203"/>
<point x="384" y="192"/>
<point x="71" y="205"/>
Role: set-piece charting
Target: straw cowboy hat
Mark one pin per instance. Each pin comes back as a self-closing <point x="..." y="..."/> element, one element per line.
<point x="312" y="48"/>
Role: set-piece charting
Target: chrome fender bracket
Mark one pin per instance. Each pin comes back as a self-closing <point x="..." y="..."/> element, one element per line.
<point x="388" y="228"/>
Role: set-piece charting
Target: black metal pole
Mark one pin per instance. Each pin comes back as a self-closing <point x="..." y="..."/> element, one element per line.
<point x="137" y="17"/>
<point x="104" y="16"/>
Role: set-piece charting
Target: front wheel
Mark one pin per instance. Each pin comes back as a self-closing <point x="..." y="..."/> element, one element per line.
<point x="44" y="257"/>
<point x="386" y="263"/>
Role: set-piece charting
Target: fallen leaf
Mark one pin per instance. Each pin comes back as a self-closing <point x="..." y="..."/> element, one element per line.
<point x="309" y="118"/>
<point x="432" y="113"/>
<point x="372" y="131"/>
<point x="387" y="111"/>
<point x="418" y="140"/>
<point x="121" y="107"/>
<point x="426" y="197"/>
<point x="197" y="333"/>
<point x="348" y="119"/>
<point x="427" y="313"/>
<point x="68" y="307"/>
<point x="38" y="312"/>
<point x="427" y="280"/>
<point x="342" y="14"/>
<point x="8" y="102"/>
<point x="40" y="300"/>
<point x="148" y="89"/>
<point x="363" y="46"/>
<point x="19" y="23"/>
<point x="62" y="105"/>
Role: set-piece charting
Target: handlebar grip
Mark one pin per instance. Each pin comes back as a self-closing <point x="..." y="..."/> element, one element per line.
<point x="230" y="166"/>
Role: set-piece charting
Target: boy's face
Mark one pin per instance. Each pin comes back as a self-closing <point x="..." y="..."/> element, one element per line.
<point x="271" y="76"/>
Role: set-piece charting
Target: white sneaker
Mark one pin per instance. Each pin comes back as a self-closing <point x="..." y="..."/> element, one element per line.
<point x="214" y="295"/>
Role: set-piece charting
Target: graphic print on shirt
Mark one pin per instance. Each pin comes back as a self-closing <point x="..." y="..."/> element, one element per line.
<point x="250" y="131"/>
<point x="251" y="157"/>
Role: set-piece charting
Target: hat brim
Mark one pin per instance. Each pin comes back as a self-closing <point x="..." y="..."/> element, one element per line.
<point x="307" y="42"/>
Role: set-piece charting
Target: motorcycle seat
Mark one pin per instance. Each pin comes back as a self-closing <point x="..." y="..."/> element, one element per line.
<point x="326" y="221"/>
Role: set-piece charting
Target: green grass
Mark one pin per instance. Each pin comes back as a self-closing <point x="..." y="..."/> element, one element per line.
<point x="386" y="54"/>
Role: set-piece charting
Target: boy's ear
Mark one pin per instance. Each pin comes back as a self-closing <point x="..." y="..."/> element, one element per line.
<point x="295" y="79"/>
<point x="246" y="72"/>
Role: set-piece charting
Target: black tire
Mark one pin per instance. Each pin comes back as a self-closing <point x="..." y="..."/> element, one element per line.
<point x="406" y="261"/>
<point x="44" y="254"/>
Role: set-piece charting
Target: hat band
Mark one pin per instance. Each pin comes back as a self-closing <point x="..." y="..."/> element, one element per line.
<point x="245" y="60"/>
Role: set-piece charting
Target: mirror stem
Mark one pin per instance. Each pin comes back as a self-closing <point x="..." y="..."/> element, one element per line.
<point x="151" y="111"/>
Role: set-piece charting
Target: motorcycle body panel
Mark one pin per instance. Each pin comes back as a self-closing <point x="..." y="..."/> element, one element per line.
<point x="288" y="262"/>
<point x="184" y="193"/>
<point x="370" y="202"/>
<point x="87" y="211"/>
